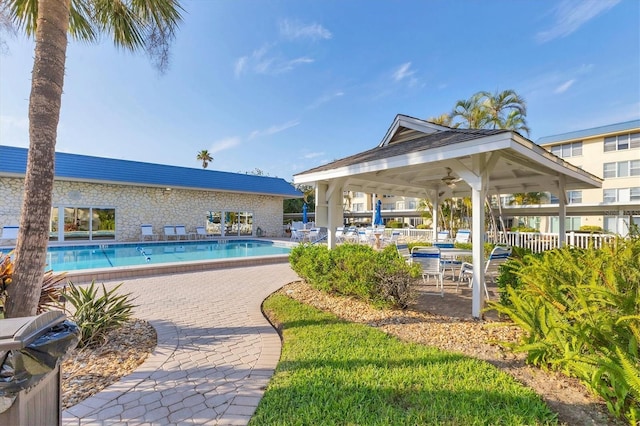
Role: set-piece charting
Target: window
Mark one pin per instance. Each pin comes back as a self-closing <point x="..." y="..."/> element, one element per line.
<point x="621" y="169"/>
<point x="574" y="197"/>
<point x="621" y="142"/>
<point x="358" y="207"/>
<point x="82" y="223"/>
<point x="412" y="205"/>
<point x="609" y="195"/>
<point x="571" y="149"/>
<point x="622" y="195"/>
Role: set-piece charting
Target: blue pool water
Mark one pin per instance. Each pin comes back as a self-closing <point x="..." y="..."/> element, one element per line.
<point x="72" y="258"/>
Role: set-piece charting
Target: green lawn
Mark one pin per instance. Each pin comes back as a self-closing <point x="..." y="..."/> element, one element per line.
<point x="334" y="372"/>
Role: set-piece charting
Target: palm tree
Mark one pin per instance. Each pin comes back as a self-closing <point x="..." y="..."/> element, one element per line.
<point x="484" y="110"/>
<point x="471" y="112"/>
<point x="205" y="157"/>
<point x="147" y="25"/>
<point x="442" y="119"/>
<point x="505" y="110"/>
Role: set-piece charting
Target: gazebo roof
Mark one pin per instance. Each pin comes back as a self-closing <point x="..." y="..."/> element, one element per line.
<point x="415" y="156"/>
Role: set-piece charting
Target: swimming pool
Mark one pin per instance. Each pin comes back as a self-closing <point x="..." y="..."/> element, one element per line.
<point x="86" y="257"/>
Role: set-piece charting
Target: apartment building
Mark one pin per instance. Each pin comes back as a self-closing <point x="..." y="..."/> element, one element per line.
<point x="613" y="153"/>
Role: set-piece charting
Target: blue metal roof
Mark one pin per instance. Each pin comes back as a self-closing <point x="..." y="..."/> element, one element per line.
<point x="595" y="131"/>
<point x="13" y="160"/>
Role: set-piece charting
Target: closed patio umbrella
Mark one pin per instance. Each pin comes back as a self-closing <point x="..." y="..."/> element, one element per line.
<point x="377" y="220"/>
<point x="304" y="214"/>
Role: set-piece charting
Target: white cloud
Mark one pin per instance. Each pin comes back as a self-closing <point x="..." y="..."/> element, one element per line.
<point x="324" y="99"/>
<point x="403" y="72"/>
<point x="293" y="30"/>
<point x="262" y="61"/>
<point x="564" y="86"/>
<point x="570" y="15"/>
<point x="224" y="144"/>
<point x="274" y="129"/>
<point x="554" y="81"/>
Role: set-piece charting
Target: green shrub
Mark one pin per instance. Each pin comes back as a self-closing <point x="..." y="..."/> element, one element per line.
<point x="394" y="224"/>
<point x="580" y="313"/>
<point x="523" y="228"/>
<point x="313" y="264"/>
<point x="97" y="315"/>
<point x="357" y="270"/>
<point x="591" y="228"/>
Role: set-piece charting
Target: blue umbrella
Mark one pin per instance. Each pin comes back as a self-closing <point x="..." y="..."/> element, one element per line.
<point x="304" y="214"/>
<point x="377" y="219"/>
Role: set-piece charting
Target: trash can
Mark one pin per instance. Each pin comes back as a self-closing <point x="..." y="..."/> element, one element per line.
<point x="31" y="350"/>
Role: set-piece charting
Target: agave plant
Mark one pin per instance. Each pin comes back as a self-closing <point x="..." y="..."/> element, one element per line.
<point x="96" y="314"/>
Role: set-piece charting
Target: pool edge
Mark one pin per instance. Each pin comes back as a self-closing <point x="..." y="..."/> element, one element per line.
<point x="111" y="274"/>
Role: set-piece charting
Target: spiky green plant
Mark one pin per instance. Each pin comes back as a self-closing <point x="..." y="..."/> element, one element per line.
<point x="96" y="314"/>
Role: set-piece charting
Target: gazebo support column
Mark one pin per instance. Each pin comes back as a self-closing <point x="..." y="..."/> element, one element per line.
<point x="562" y="211"/>
<point x="335" y="211"/>
<point x="321" y="213"/>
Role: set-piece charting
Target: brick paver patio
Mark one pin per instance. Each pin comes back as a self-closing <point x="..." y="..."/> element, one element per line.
<point x="216" y="352"/>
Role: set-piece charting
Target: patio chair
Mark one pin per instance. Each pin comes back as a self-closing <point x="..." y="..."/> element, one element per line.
<point x="403" y="251"/>
<point x="201" y="233"/>
<point x="169" y="231"/>
<point x="393" y="239"/>
<point x="181" y="231"/>
<point x="147" y="232"/>
<point x="443" y="236"/>
<point x="498" y="256"/>
<point x="339" y="233"/>
<point x="429" y="259"/>
<point x="350" y="235"/>
<point x="296" y="235"/>
<point x="9" y="233"/>
<point x="448" y="262"/>
<point x="463" y="236"/>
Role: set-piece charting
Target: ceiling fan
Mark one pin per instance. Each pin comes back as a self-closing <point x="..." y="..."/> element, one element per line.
<point x="449" y="180"/>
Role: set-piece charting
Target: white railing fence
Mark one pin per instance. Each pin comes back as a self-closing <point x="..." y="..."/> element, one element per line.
<point x="541" y="241"/>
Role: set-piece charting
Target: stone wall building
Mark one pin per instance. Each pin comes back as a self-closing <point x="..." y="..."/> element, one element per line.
<point x="106" y="199"/>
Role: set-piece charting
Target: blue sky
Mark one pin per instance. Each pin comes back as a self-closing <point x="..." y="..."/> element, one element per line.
<point x="284" y="86"/>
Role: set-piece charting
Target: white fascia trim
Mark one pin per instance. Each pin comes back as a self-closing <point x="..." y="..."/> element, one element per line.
<point x="412" y="123"/>
<point x="462" y="149"/>
<point x="547" y="159"/>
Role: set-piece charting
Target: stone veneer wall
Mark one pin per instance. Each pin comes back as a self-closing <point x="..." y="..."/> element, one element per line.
<point x="136" y="205"/>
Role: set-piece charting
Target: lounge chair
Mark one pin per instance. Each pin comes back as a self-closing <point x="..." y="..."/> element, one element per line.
<point x="443" y="236"/>
<point x="463" y="236"/>
<point x="147" y="232"/>
<point x="429" y="259"/>
<point x="9" y="233"/>
<point x="169" y="231"/>
<point x="201" y="233"/>
<point x="498" y="256"/>
<point x="181" y="232"/>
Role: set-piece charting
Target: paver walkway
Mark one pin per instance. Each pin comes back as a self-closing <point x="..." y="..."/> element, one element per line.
<point x="216" y="352"/>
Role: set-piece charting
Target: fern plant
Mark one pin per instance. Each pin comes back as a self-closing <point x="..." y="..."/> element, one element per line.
<point x="96" y="314"/>
<point x="580" y="310"/>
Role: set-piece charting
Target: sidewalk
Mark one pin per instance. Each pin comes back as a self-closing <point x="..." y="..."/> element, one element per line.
<point x="216" y="352"/>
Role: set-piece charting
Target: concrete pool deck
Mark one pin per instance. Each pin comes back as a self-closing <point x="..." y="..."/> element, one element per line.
<point x="215" y="355"/>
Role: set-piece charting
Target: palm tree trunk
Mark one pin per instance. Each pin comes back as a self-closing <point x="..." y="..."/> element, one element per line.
<point x="44" y="114"/>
